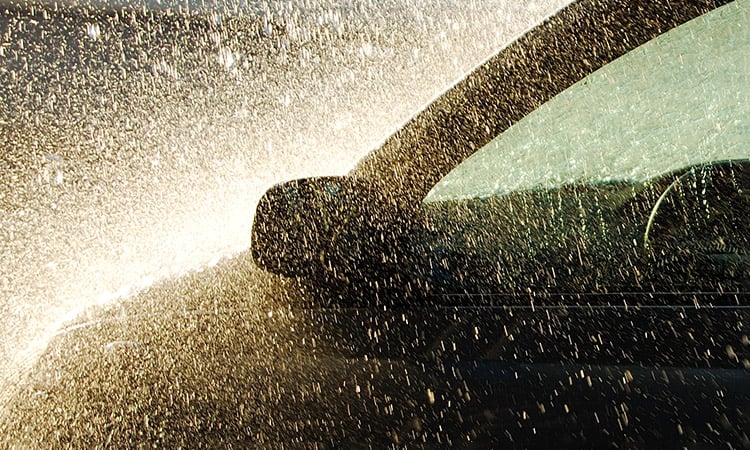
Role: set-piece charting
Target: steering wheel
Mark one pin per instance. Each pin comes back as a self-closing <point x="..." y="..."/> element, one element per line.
<point x="703" y="219"/>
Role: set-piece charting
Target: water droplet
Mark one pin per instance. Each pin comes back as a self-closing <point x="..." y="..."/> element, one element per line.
<point x="93" y="31"/>
<point x="430" y="396"/>
<point x="226" y="58"/>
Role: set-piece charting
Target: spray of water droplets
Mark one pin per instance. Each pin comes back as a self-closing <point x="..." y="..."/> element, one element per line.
<point x="136" y="138"/>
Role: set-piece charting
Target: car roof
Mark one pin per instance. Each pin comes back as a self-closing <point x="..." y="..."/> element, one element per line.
<point x="519" y="78"/>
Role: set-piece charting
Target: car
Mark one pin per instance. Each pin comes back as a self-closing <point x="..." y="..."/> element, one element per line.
<point x="553" y="253"/>
<point x="582" y="147"/>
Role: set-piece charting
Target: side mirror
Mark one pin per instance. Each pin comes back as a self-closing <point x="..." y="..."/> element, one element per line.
<point x="331" y="226"/>
<point x="295" y="223"/>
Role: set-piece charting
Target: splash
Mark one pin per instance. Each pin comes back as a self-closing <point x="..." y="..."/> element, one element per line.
<point x="137" y="140"/>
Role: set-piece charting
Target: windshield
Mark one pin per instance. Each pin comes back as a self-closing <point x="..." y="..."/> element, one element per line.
<point x="678" y="100"/>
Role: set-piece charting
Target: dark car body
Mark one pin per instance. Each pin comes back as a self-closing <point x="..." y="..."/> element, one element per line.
<point x="468" y="323"/>
<point x="375" y="225"/>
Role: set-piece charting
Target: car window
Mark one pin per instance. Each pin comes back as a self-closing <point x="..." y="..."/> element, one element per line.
<point x="680" y="99"/>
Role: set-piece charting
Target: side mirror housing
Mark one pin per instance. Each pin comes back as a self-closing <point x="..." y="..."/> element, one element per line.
<point x="295" y="222"/>
<point x="333" y="227"/>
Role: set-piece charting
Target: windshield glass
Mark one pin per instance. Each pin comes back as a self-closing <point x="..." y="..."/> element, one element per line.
<point x="680" y="99"/>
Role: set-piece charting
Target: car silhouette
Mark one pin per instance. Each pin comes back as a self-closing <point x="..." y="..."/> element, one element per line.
<point x="552" y="254"/>
<point x="594" y="154"/>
